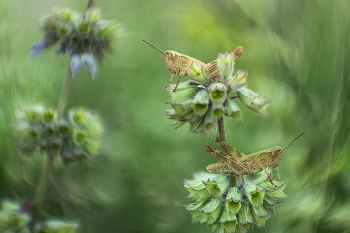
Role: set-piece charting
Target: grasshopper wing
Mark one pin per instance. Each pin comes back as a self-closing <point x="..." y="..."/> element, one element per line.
<point x="236" y="154"/>
<point x="236" y="165"/>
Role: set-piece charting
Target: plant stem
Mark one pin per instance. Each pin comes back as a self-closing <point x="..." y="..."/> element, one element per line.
<point x="64" y="91"/>
<point x="222" y="132"/>
<point x="44" y="178"/>
<point x="88" y="5"/>
<point x="41" y="189"/>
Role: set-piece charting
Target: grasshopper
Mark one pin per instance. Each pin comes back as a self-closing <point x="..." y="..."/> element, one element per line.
<point x="235" y="162"/>
<point x="180" y="64"/>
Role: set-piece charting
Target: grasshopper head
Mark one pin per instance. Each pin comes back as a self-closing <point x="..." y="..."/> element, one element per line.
<point x="275" y="157"/>
<point x="172" y="61"/>
<point x="276" y="154"/>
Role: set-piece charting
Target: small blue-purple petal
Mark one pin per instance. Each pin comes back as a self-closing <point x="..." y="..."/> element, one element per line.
<point x="75" y="64"/>
<point x="37" y="47"/>
<point x="88" y="61"/>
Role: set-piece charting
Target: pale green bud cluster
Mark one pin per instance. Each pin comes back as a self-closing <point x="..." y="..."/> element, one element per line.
<point x="78" y="33"/>
<point x="15" y="217"/>
<point x="224" y="208"/>
<point x="202" y="101"/>
<point x="75" y="138"/>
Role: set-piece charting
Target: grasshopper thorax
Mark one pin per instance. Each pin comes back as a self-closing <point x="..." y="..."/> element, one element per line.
<point x="172" y="60"/>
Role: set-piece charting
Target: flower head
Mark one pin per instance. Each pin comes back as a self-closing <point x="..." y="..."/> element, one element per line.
<point x="207" y="96"/>
<point x="226" y="208"/>
<point x="85" y="37"/>
<point x="74" y="139"/>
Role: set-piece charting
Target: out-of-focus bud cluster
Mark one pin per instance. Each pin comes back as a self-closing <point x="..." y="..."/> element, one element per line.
<point x="207" y="96"/>
<point x="75" y="138"/>
<point x="15" y="217"/>
<point x="85" y="37"/>
<point x="214" y="202"/>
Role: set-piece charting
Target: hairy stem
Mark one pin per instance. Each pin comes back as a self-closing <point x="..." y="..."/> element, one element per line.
<point x="64" y="91"/>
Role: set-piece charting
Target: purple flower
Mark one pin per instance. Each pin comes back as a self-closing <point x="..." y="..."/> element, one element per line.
<point x="75" y="64"/>
<point x="88" y="61"/>
<point x="37" y="47"/>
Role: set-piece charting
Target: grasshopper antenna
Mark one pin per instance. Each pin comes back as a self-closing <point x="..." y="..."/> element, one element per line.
<point x="152" y="46"/>
<point x="291" y="143"/>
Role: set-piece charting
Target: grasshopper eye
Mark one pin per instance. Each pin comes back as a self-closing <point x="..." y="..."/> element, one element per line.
<point x="171" y="55"/>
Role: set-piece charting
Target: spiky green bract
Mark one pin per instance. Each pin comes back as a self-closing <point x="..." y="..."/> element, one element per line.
<point x="75" y="138"/>
<point x="84" y="35"/>
<point x="202" y="101"/>
<point x="226" y="208"/>
<point x="16" y="217"/>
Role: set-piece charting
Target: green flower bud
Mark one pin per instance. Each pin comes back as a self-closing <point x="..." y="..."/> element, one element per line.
<point x="226" y="63"/>
<point x="84" y="27"/>
<point x="228" y="220"/>
<point x="63" y="30"/>
<point x="217" y="186"/>
<point x="254" y="193"/>
<point x="245" y="217"/>
<point x="200" y="102"/>
<point x="259" y="215"/>
<point x="197" y="189"/>
<point x="217" y="92"/>
<point x="33" y="114"/>
<point x="66" y="14"/>
<point x="49" y="115"/>
<point x="205" y="124"/>
<point x="254" y="101"/>
<point x="93" y="14"/>
<point x="233" y="200"/>
<point x="238" y="81"/>
<point x="64" y="129"/>
<point x="218" y="110"/>
<point x="184" y="91"/>
<point x="197" y="73"/>
<point x="233" y="111"/>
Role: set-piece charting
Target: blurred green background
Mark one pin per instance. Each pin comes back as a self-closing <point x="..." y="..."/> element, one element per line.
<point x="296" y="53"/>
